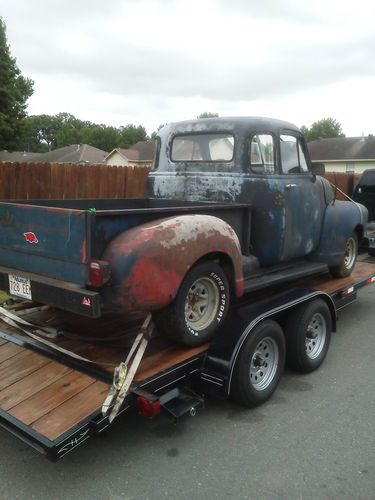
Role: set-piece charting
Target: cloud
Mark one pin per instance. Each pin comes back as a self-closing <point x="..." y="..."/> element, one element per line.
<point x="165" y="53"/>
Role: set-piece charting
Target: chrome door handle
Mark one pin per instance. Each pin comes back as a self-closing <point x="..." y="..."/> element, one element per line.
<point x="290" y="186"/>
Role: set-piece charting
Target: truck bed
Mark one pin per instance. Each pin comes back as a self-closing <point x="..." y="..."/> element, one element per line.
<point x="54" y="403"/>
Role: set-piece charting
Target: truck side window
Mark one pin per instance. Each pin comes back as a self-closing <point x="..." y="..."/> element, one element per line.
<point x="292" y="156"/>
<point x="261" y="154"/>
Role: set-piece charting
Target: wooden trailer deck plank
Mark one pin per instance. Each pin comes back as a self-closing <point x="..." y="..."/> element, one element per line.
<point x="20" y="366"/>
<point x="331" y="286"/>
<point x="3" y="341"/>
<point x="51" y="397"/>
<point x="56" y="422"/>
<point x="163" y="360"/>
<point x="30" y="385"/>
<point x="9" y="350"/>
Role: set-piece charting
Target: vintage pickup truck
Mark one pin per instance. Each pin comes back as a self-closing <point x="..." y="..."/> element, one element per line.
<point x="232" y="205"/>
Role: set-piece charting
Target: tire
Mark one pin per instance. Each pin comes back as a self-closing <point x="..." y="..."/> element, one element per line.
<point x="348" y="260"/>
<point x="371" y="253"/>
<point x="308" y="335"/>
<point x="259" y="365"/>
<point x="193" y="319"/>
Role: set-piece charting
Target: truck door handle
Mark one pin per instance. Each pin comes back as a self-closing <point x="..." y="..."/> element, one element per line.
<point x="290" y="186"/>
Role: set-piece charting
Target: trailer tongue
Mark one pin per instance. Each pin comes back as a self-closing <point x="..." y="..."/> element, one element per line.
<point x="54" y="401"/>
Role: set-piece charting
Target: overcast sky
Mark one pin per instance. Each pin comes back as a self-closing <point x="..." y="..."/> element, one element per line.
<point x="149" y="62"/>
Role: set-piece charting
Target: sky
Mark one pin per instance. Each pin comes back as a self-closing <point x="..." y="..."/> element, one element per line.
<point x="150" y="62"/>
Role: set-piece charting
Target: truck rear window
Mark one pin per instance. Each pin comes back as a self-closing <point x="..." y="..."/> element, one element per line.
<point x="203" y="147"/>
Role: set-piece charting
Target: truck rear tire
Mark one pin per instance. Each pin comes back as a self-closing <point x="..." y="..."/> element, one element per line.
<point x="348" y="260"/>
<point x="199" y="308"/>
<point x="259" y="365"/>
<point x="308" y="335"/>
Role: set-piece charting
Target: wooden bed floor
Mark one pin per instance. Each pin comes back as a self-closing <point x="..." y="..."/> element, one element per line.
<point x="52" y="397"/>
<point x="44" y="394"/>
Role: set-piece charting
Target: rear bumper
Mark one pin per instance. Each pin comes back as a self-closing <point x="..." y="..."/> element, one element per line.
<point x="58" y="294"/>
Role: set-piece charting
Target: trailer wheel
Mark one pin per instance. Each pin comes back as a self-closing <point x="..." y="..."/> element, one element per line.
<point x="348" y="260"/>
<point x="259" y="365"/>
<point x="200" y="306"/>
<point x="308" y="334"/>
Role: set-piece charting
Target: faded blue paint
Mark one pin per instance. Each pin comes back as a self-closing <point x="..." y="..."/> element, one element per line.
<point x="57" y="253"/>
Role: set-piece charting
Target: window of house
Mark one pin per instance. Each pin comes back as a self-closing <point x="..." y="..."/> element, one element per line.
<point x="350" y="167"/>
<point x="261" y="154"/>
<point x="203" y="147"/>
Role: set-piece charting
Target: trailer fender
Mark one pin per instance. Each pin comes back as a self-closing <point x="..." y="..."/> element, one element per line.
<point x="149" y="262"/>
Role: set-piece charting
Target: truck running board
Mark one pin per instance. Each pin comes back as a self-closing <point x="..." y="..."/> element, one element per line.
<point x="299" y="269"/>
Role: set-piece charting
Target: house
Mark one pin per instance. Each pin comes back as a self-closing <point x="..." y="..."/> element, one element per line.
<point x="344" y="154"/>
<point x="76" y="153"/>
<point x="18" y="156"/>
<point x="140" y="155"/>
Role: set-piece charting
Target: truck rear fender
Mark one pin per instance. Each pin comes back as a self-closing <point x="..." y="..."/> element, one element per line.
<point x="149" y="262"/>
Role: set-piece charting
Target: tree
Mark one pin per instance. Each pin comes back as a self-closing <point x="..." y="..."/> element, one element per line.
<point x="325" y="128"/>
<point x="208" y="114"/>
<point x="14" y="92"/>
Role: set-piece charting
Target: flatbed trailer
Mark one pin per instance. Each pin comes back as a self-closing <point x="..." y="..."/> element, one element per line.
<point x="52" y="400"/>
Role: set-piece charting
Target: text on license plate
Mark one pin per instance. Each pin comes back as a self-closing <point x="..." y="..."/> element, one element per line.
<point x="19" y="286"/>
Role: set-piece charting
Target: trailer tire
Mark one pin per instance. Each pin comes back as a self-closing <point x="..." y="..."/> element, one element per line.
<point x="199" y="308"/>
<point x="308" y="335"/>
<point x="259" y="365"/>
<point x="347" y="263"/>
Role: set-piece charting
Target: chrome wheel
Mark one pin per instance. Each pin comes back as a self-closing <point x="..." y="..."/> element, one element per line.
<point x="316" y="336"/>
<point x="350" y="253"/>
<point x="202" y="303"/>
<point x="264" y="364"/>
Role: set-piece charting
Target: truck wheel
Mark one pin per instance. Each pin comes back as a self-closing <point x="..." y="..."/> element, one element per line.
<point x="348" y="260"/>
<point x="200" y="306"/>
<point x="259" y="365"/>
<point x="308" y="334"/>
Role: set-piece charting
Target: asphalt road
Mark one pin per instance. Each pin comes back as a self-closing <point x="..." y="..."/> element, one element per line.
<point x="314" y="439"/>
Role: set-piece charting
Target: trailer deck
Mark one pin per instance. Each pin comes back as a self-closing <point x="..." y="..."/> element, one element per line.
<point x="53" y="402"/>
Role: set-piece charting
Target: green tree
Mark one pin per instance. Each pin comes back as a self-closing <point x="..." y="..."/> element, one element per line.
<point x="324" y="128"/>
<point x="130" y="135"/>
<point x="40" y="132"/>
<point x="208" y="114"/>
<point x="14" y="92"/>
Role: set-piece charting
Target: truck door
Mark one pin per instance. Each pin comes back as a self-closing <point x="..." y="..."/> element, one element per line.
<point x="303" y="199"/>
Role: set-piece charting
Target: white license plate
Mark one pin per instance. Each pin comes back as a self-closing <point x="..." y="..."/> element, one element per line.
<point x="19" y="286"/>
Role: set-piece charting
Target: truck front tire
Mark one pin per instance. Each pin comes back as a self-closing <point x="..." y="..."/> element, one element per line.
<point x="199" y="308"/>
<point x="259" y="365"/>
<point x="348" y="260"/>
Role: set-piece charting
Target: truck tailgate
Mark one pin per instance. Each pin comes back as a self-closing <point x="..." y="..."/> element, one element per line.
<point x="48" y="241"/>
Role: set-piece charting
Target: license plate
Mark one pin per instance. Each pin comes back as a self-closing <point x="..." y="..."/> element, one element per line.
<point x="20" y="287"/>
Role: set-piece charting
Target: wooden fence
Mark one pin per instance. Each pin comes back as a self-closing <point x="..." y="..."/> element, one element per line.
<point x="68" y="181"/>
<point x="63" y="180"/>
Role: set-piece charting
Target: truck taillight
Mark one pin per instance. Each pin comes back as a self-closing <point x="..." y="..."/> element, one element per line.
<point x="99" y="273"/>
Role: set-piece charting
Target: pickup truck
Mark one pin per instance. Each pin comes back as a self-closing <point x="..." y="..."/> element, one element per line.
<point x="232" y="205"/>
<point x="364" y="193"/>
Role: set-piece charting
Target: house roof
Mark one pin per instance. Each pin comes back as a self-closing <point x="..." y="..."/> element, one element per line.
<point x="342" y="148"/>
<point x="19" y="156"/>
<point x="76" y="153"/>
<point x="142" y="151"/>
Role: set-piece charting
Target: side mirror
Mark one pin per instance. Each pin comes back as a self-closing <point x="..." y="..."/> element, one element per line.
<point x="318" y="168"/>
